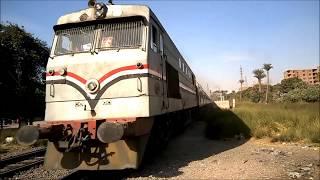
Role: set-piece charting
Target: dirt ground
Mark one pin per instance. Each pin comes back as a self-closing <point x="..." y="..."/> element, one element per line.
<point x="192" y="156"/>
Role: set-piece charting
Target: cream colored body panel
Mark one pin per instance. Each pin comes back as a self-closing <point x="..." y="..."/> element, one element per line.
<point x="106" y="108"/>
<point x="125" y="93"/>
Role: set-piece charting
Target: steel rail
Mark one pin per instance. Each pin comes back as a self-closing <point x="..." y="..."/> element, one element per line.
<point x="21" y="156"/>
<point x="22" y="161"/>
<point x="23" y="165"/>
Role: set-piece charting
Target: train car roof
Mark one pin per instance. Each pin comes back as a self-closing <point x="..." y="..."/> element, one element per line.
<point x="114" y="11"/>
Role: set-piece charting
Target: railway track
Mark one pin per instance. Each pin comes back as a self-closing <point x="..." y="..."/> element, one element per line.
<point x="22" y="161"/>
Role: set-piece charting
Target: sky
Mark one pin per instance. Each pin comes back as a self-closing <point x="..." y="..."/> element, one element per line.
<point x="215" y="37"/>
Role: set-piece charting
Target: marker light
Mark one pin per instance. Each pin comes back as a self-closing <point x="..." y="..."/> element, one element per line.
<point x="139" y="65"/>
<point x="63" y="71"/>
<point x="51" y="72"/>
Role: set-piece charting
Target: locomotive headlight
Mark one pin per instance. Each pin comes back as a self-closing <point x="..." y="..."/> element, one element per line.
<point x="100" y="10"/>
<point x="92" y="86"/>
<point x="98" y="14"/>
<point x="98" y="6"/>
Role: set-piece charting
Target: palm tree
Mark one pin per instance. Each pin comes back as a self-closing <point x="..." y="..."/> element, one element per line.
<point x="267" y="67"/>
<point x="259" y="74"/>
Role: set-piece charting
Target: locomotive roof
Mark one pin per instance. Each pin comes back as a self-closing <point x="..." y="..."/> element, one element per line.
<point x="114" y="11"/>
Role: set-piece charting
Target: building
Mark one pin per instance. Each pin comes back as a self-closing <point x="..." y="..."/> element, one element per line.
<point x="310" y="76"/>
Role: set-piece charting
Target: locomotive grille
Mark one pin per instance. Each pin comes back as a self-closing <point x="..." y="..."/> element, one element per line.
<point x="121" y="35"/>
<point x="74" y="40"/>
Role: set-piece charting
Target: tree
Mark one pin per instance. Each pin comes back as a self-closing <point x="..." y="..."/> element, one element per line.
<point x="23" y="59"/>
<point x="267" y="68"/>
<point x="287" y="85"/>
<point x="311" y="94"/>
<point x="259" y="74"/>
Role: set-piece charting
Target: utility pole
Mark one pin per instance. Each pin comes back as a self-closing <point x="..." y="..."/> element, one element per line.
<point x="245" y="81"/>
<point x="241" y="82"/>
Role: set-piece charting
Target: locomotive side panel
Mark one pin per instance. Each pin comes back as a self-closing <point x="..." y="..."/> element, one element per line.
<point x="163" y="53"/>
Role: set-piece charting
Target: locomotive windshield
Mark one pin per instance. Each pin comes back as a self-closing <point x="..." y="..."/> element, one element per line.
<point x="114" y="35"/>
<point x="121" y="35"/>
<point x="74" y="40"/>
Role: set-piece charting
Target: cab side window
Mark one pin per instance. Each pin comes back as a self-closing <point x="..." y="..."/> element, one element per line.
<point x="154" y="39"/>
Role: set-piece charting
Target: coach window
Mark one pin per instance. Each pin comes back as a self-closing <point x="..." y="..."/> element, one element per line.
<point x="161" y="45"/>
<point x="154" y="38"/>
<point x="193" y="80"/>
<point x="183" y="67"/>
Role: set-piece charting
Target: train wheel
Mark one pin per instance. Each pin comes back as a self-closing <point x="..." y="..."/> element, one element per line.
<point x="159" y="137"/>
<point x="165" y="131"/>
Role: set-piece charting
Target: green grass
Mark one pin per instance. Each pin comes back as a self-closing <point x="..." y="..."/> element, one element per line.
<point x="281" y="122"/>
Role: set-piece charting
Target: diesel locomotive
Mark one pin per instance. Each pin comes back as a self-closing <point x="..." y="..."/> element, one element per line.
<point x="116" y="84"/>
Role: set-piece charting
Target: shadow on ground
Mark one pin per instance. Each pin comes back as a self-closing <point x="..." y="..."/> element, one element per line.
<point x="214" y="132"/>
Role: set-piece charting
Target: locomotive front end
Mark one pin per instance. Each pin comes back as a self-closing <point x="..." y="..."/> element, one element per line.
<point x="97" y="105"/>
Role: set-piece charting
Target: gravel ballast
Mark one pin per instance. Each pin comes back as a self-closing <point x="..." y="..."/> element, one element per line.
<point x="41" y="173"/>
<point x="192" y="156"/>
